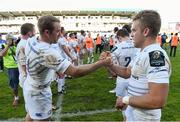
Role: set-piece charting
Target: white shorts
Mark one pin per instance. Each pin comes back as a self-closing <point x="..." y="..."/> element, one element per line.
<point x="82" y="51"/>
<point x="135" y="114"/>
<point x="121" y="88"/>
<point x="90" y="50"/>
<point x="38" y="102"/>
<point x="22" y="79"/>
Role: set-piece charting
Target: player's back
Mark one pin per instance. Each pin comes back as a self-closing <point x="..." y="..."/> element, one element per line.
<point x="124" y="52"/>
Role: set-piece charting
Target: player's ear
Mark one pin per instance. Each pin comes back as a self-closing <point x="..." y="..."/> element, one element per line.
<point x="146" y="32"/>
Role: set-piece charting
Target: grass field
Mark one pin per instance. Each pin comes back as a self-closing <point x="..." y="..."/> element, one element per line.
<point x="90" y="93"/>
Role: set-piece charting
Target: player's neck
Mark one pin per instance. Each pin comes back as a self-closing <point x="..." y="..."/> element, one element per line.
<point x="43" y="39"/>
<point x="124" y="39"/>
<point x="148" y="41"/>
<point x="25" y="37"/>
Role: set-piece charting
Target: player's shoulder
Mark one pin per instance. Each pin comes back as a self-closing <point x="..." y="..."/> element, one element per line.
<point x="115" y="48"/>
<point x="156" y="55"/>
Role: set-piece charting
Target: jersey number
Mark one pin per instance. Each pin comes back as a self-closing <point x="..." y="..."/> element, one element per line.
<point x="128" y="59"/>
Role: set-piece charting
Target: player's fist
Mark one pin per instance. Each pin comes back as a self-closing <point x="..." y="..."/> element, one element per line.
<point x="119" y="104"/>
<point x="104" y="55"/>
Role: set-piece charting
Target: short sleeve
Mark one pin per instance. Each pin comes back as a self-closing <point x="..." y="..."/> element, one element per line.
<point x="55" y="61"/>
<point x="21" y="57"/>
<point x="115" y="53"/>
<point x="158" y="67"/>
<point x="62" y="41"/>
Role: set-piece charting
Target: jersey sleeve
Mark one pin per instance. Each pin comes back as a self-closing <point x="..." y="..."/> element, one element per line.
<point x="157" y="67"/>
<point x="62" y="41"/>
<point x="21" y="58"/>
<point x="55" y="61"/>
<point x="115" y="54"/>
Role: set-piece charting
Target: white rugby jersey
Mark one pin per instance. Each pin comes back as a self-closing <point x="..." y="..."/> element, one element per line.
<point x="115" y="40"/>
<point x="81" y="39"/>
<point x="123" y="53"/>
<point x="21" y="60"/>
<point x="41" y="60"/>
<point x="150" y="65"/>
<point x="57" y="46"/>
<point x="73" y="44"/>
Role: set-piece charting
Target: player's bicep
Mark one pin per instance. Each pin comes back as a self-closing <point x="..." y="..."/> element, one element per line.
<point x="159" y="92"/>
<point x="70" y="70"/>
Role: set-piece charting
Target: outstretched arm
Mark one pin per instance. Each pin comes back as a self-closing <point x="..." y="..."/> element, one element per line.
<point x="78" y="71"/>
<point x="124" y="72"/>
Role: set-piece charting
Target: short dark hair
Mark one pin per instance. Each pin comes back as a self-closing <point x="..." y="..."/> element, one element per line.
<point x="62" y="29"/>
<point x="82" y="32"/>
<point x="127" y="27"/>
<point x="47" y="23"/>
<point x="116" y="29"/>
<point x="149" y="19"/>
<point x="122" y="32"/>
<point x="27" y="27"/>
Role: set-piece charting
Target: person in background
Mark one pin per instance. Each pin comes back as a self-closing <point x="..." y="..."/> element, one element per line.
<point x="174" y="43"/>
<point x="159" y="39"/>
<point x="81" y="42"/>
<point x="122" y="54"/>
<point x="9" y="56"/>
<point x="111" y="43"/>
<point x="89" y="47"/>
<point x="163" y="39"/>
<point x="98" y="43"/>
<point x="27" y="31"/>
<point x="2" y="42"/>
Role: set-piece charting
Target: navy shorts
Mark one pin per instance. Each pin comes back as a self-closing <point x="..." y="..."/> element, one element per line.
<point x="13" y="75"/>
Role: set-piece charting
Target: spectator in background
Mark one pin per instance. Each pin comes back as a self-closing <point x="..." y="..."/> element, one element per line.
<point x="163" y="38"/>
<point x="111" y="43"/>
<point x="174" y="43"/>
<point x="89" y="47"/>
<point x="8" y="54"/>
<point x="127" y="27"/>
<point x="98" y="43"/>
<point x="159" y="39"/>
<point x="2" y="42"/>
<point x="115" y="39"/>
<point x="81" y="43"/>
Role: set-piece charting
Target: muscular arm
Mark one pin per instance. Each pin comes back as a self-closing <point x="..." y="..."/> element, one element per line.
<point x="156" y="98"/>
<point x="124" y="72"/>
<point x="22" y="57"/>
<point x="82" y="70"/>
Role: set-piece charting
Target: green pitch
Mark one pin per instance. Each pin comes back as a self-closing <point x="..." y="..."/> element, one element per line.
<point x="89" y="94"/>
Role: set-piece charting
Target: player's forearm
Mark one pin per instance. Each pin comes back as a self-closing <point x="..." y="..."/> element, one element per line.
<point x="155" y="98"/>
<point x="88" y="68"/>
<point x="120" y="71"/>
<point x="147" y="102"/>
<point x="24" y="69"/>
